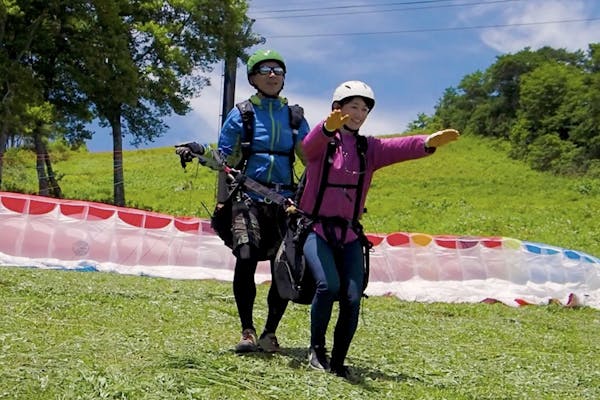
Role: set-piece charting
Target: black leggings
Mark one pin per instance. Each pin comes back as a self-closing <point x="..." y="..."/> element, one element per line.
<point x="244" y="291"/>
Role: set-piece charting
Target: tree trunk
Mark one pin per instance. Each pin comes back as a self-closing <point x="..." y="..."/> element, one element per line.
<point x="40" y="164"/>
<point x="118" y="178"/>
<point x="2" y="149"/>
<point x="53" y="186"/>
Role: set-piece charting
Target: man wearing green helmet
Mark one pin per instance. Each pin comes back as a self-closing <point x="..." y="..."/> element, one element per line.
<point x="261" y="56"/>
<point x="268" y="160"/>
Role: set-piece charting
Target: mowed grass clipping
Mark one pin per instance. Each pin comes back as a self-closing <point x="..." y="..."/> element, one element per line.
<point x="81" y="335"/>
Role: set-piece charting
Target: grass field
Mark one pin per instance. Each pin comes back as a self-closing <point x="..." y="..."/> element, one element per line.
<point x="76" y="335"/>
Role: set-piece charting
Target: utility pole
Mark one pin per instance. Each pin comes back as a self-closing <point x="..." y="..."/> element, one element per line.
<point x="228" y="85"/>
<point x="228" y="99"/>
<point x="228" y="103"/>
<point x="229" y="77"/>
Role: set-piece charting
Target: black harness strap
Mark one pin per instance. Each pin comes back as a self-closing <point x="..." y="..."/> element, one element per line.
<point x="361" y="147"/>
<point x="331" y="146"/>
<point x="247" y="113"/>
<point x="330" y="223"/>
<point x="296" y="115"/>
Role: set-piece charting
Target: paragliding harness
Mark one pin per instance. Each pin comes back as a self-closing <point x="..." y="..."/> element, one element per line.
<point x="222" y="216"/>
<point x="293" y="278"/>
<point x="238" y="180"/>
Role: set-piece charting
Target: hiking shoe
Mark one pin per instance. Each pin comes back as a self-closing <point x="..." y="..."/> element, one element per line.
<point x="344" y="372"/>
<point x="247" y="343"/>
<point x="317" y="358"/>
<point x="268" y="343"/>
<point x="341" y="371"/>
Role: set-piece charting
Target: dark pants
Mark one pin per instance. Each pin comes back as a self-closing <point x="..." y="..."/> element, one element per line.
<point x="244" y="291"/>
<point x="263" y="235"/>
<point x="339" y="275"/>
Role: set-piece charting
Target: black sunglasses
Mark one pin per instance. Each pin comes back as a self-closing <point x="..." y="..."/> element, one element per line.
<point x="264" y="70"/>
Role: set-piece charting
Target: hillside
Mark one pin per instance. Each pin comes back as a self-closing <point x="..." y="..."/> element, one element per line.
<point x="469" y="187"/>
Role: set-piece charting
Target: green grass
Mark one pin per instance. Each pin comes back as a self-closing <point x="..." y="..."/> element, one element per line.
<point x="76" y="335"/>
<point x="469" y="187"/>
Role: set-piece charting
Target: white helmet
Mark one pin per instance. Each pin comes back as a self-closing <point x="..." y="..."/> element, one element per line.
<point x="354" y="88"/>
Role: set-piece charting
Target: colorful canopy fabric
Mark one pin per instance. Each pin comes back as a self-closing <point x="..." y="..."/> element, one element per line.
<point x="68" y="234"/>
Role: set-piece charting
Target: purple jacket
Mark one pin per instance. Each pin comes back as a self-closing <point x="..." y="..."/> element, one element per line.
<point x="338" y="201"/>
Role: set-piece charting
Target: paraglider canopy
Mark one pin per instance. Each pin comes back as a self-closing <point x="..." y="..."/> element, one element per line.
<point x="50" y="233"/>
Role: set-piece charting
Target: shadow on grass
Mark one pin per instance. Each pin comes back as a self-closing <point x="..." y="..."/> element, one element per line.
<point x="299" y="360"/>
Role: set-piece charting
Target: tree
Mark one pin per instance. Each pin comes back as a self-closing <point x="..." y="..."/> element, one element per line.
<point x="20" y="90"/>
<point x="449" y="110"/>
<point x="588" y="131"/>
<point x="553" y="106"/>
<point x="144" y="60"/>
<point x="546" y="102"/>
<point x="38" y="101"/>
<point x="422" y="123"/>
<point x="127" y="63"/>
<point x="505" y="74"/>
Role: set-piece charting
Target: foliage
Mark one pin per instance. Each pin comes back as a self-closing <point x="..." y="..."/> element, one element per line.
<point x="422" y="122"/>
<point x="525" y="97"/>
<point x="17" y="177"/>
<point x="77" y="335"/>
<point x="129" y="64"/>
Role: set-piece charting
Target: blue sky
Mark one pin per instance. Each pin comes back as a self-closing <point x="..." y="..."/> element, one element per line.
<point x="409" y="52"/>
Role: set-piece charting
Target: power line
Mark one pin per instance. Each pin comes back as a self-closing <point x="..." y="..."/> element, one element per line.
<point x="402" y="3"/>
<point x="476" y="3"/>
<point x="425" y="30"/>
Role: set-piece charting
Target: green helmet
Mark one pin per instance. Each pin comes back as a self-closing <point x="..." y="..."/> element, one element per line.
<point x="264" y="55"/>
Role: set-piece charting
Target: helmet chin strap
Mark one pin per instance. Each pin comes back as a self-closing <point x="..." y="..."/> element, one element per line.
<point x="354" y="131"/>
<point x="268" y="95"/>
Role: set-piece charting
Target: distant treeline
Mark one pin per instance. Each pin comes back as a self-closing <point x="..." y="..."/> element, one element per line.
<point x="546" y="103"/>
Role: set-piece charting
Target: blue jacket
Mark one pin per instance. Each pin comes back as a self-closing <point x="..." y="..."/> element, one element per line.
<point x="272" y="134"/>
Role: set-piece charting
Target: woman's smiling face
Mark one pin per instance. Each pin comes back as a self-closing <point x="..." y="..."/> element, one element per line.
<point x="358" y="111"/>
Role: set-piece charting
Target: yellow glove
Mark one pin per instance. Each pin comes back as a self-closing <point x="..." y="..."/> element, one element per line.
<point x="335" y="121"/>
<point x="441" y="138"/>
<point x="291" y="210"/>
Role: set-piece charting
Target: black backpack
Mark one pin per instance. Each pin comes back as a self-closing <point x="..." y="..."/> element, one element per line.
<point x="247" y="112"/>
<point x="221" y="218"/>
<point x="290" y="273"/>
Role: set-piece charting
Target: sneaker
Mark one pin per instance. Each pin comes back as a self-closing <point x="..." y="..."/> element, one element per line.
<point x="247" y="343"/>
<point x="268" y="343"/>
<point x="317" y="358"/>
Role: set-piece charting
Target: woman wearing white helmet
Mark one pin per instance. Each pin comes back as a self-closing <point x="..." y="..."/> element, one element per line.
<point x="339" y="167"/>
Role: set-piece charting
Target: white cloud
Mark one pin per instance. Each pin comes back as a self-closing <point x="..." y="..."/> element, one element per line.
<point x="571" y="36"/>
<point x="203" y="123"/>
